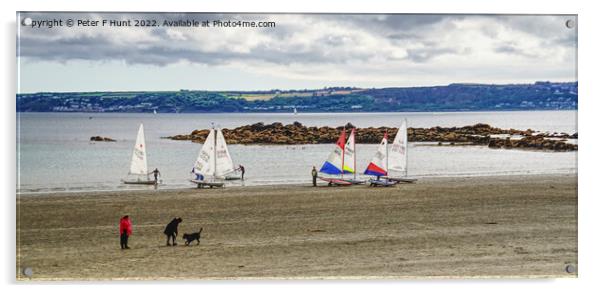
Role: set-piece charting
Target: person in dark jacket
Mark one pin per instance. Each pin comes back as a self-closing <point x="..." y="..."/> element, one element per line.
<point x="241" y="168"/>
<point x="314" y="176"/>
<point x="156" y="174"/>
<point x="125" y="230"/>
<point x="171" y="230"/>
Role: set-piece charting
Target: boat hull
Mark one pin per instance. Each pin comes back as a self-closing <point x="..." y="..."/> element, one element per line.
<point x="402" y="179"/>
<point x="141" y="182"/>
<point x="335" y="181"/>
<point x="355" y="181"/>
<point x="203" y="184"/>
<point x="381" y="183"/>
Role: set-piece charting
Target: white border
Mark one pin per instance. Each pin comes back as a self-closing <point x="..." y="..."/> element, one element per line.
<point x="589" y="112"/>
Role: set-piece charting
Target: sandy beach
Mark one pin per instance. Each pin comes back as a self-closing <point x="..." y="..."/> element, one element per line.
<point x="511" y="226"/>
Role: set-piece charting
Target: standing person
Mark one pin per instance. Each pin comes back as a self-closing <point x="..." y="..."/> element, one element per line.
<point x="242" y="172"/>
<point x="156" y="173"/>
<point x="171" y="230"/>
<point x="314" y="176"/>
<point x="125" y="230"/>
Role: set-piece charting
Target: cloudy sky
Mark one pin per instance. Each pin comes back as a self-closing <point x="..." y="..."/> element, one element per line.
<point x="301" y="51"/>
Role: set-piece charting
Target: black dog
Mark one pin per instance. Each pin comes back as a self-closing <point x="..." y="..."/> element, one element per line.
<point x="194" y="236"/>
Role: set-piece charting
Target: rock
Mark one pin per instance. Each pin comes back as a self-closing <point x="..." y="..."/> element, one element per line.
<point x="534" y="143"/>
<point x="451" y="136"/>
<point x="297" y="133"/>
<point x="257" y="126"/>
<point x="274" y="125"/>
<point x="100" y="138"/>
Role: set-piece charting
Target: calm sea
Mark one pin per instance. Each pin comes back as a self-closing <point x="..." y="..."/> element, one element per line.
<point x="55" y="154"/>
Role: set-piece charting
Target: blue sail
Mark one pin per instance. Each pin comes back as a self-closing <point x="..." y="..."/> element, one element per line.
<point x="329" y="168"/>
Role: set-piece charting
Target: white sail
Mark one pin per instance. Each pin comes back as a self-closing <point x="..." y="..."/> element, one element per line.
<point x="378" y="165"/>
<point x="398" y="155"/>
<point x="350" y="153"/>
<point x="205" y="162"/>
<point x="223" y="161"/>
<point x="138" y="165"/>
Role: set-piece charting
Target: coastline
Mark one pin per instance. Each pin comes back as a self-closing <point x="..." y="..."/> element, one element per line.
<point x="93" y="166"/>
<point x="441" y="178"/>
<point x="500" y="226"/>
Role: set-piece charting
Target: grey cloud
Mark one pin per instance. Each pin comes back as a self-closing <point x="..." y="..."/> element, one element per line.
<point x="99" y="49"/>
<point x="398" y="30"/>
<point x="389" y="22"/>
<point x="414" y="21"/>
<point x="512" y="49"/>
<point x="490" y="31"/>
<point x="403" y="36"/>
<point x="545" y="27"/>
<point x="426" y="54"/>
<point x="566" y="40"/>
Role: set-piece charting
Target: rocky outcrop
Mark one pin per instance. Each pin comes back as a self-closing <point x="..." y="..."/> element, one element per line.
<point x="100" y="138"/>
<point x="297" y="133"/>
<point x="537" y="142"/>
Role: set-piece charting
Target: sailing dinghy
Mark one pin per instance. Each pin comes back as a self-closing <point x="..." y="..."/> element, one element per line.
<point x="398" y="156"/>
<point x="138" y="165"/>
<point x="335" y="164"/>
<point x="342" y="161"/>
<point x="379" y="165"/>
<point x="214" y="161"/>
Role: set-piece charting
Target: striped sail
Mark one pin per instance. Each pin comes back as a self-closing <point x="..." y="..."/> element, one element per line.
<point x="334" y="163"/>
<point x="398" y="155"/>
<point x="138" y="164"/>
<point x="378" y="165"/>
<point x="350" y="153"/>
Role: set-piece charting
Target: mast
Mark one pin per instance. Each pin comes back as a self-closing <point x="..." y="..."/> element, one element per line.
<point x="386" y="153"/>
<point x="144" y="150"/>
<point x="407" y="141"/>
<point x="354" y="155"/>
<point x="214" y="151"/>
<point x="343" y="154"/>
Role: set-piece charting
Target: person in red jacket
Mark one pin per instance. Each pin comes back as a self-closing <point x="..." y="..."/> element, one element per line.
<point x="125" y="230"/>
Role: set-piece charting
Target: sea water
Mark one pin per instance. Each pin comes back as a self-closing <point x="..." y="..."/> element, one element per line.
<point x="54" y="151"/>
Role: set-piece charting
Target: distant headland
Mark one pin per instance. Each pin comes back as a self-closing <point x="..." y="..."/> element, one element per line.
<point x="453" y="97"/>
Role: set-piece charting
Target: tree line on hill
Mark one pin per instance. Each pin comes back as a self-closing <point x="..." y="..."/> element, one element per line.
<point x="453" y="97"/>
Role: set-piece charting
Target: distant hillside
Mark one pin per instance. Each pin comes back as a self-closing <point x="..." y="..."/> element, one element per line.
<point x="453" y="97"/>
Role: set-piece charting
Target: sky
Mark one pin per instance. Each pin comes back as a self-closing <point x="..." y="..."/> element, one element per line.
<point x="301" y="51"/>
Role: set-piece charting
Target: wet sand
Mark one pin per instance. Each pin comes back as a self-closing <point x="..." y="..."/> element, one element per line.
<point x="511" y="226"/>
